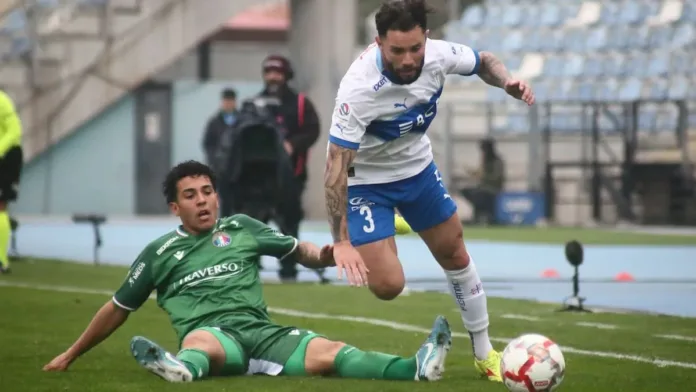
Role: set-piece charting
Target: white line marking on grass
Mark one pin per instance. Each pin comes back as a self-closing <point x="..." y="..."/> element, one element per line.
<point x="519" y="317"/>
<point x="381" y="323"/>
<point x="677" y="337"/>
<point x="596" y="325"/>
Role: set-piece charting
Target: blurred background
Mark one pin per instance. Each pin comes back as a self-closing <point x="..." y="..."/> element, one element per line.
<point x="112" y="93"/>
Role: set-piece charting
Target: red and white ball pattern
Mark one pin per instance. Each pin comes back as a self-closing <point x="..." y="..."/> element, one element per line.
<point x="532" y="363"/>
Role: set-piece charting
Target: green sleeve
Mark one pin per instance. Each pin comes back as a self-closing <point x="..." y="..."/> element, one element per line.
<point x="270" y="242"/>
<point x="10" y="124"/>
<point x="137" y="286"/>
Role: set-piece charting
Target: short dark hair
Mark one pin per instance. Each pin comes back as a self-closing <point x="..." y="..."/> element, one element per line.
<point x="183" y="170"/>
<point x="402" y="15"/>
<point x="229" y="93"/>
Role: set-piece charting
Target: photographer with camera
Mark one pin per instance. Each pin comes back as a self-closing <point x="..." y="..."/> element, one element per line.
<point x="299" y="121"/>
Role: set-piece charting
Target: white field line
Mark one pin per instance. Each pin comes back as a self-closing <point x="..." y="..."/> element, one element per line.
<point x="597" y="325"/>
<point x="518" y="317"/>
<point x="382" y="323"/>
<point x="677" y="337"/>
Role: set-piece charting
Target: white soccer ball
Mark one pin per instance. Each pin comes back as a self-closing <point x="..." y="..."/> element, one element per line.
<point x="532" y="363"/>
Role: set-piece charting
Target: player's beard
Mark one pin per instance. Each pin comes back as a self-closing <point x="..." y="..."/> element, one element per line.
<point x="396" y="74"/>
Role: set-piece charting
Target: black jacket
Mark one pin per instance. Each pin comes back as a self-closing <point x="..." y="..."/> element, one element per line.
<point x="300" y="137"/>
<point x="213" y="134"/>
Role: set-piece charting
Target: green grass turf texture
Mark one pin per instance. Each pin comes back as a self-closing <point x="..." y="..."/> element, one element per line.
<point x="39" y="324"/>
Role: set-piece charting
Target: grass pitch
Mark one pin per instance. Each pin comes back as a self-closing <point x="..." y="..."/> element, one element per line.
<point x="46" y="305"/>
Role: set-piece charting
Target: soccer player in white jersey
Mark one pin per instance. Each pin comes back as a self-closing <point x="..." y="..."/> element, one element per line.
<point x="379" y="159"/>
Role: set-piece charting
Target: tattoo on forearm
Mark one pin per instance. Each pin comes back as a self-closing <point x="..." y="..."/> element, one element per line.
<point x="493" y="71"/>
<point x="336" y="190"/>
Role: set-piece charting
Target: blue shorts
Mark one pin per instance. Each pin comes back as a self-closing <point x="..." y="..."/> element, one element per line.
<point x="422" y="200"/>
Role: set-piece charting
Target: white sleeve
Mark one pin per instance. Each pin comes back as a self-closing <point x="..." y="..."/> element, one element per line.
<point x="351" y="115"/>
<point x="458" y="59"/>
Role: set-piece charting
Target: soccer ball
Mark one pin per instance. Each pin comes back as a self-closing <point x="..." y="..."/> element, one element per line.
<point x="532" y="363"/>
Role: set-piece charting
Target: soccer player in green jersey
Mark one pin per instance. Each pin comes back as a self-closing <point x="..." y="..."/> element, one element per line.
<point x="206" y="275"/>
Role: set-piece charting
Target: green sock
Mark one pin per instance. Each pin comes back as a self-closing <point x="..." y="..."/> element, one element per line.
<point x="5" y="231"/>
<point x="197" y="362"/>
<point x="353" y="363"/>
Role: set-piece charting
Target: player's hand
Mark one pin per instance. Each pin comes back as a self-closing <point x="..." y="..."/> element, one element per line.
<point x="520" y="90"/>
<point x="59" y="363"/>
<point x="347" y="258"/>
<point x="326" y="256"/>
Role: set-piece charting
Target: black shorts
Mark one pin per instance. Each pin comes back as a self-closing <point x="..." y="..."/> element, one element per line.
<point x="10" y="171"/>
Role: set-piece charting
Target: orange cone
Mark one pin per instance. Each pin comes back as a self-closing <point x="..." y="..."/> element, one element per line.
<point x="550" y="274"/>
<point x="624" y="277"/>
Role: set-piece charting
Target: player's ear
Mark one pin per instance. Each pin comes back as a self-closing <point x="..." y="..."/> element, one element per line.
<point x="378" y="41"/>
<point x="174" y="208"/>
<point x="427" y="33"/>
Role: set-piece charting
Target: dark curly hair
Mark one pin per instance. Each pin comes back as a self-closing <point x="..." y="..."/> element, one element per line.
<point x="182" y="170"/>
<point x="402" y="15"/>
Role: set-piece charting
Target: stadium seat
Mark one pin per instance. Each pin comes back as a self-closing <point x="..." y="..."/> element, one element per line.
<point x="658" y="65"/>
<point x="684" y="36"/>
<point x="473" y="16"/>
<point x="678" y="87"/>
<point x="551" y="15"/>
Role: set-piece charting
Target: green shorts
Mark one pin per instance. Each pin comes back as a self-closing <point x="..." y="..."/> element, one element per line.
<point x="260" y="347"/>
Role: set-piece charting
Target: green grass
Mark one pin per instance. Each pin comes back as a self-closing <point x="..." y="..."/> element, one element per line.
<point x="38" y="324"/>
<point x="559" y="235"/>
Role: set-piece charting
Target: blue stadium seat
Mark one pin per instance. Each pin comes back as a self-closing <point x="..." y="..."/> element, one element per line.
<point x="636" y="65"/>
<point x="553" y="66"/>
<point x="586" y="91"/>
<point x="609" y="15"/>
<point x="473" y="16"/>
<point x="660" y="36"/>
<point x="633" y="13"/>
<point x="679" y="87"/>
<point x="551" y="15"/>
<point x="574" y="40"/>
<point x="594" y="65"/>
<point x="574" y="65"/>
<point x="494" y="17"/>
<point x="684" y="36"/>
<point x="618" y="37"/>
<point x="658" y="65"/>
<point x="630" y="90"/>
<point x="638" y="38"/>
<point x="513" y="15"/>
<point x="513" y="42"/>
<point x="658" y="89"/>
<point x="14" y="21"/>
<point x="607" y="90"/>
<point x="597" y="39"/>
<point x="680" y="63"/>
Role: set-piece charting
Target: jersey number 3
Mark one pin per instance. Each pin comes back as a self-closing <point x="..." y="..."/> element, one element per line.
<point x="367" y="213"/>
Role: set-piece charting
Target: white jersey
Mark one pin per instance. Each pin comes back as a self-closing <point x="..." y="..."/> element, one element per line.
<point x="386" y="122"/>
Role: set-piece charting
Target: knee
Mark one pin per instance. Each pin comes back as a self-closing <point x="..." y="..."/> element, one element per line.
<point x="453" y="255"/>
<point x="206" y="342"/>
<point x="321" y="355"/>
<point x="389" y="288"/>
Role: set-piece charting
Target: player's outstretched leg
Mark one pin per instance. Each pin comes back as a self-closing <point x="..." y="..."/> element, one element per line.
<point x="431" y="356"/>
<point x="321" y="356"/>
<point x="159" y="361"/>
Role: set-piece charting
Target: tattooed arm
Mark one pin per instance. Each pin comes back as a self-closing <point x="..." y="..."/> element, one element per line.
<point x="311" y="256"/>
<point x="338" y="161"/>
<point x="492" y="70"/>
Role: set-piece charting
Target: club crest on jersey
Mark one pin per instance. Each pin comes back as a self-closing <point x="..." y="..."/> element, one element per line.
<point x="221" y="239"/>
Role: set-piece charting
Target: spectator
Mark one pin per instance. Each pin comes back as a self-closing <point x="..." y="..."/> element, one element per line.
<point x="299" y="120"/>
<point x="222" y="122"/>
<point x="491" y="180"/>
<point x="11" y="161"/>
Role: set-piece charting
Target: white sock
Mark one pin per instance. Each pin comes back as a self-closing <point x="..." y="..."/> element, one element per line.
<point x="467" y="290"/>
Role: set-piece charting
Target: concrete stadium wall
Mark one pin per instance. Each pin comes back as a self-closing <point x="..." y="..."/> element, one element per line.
<point x="91" y="170"/>
<point x="94" y="169"/>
